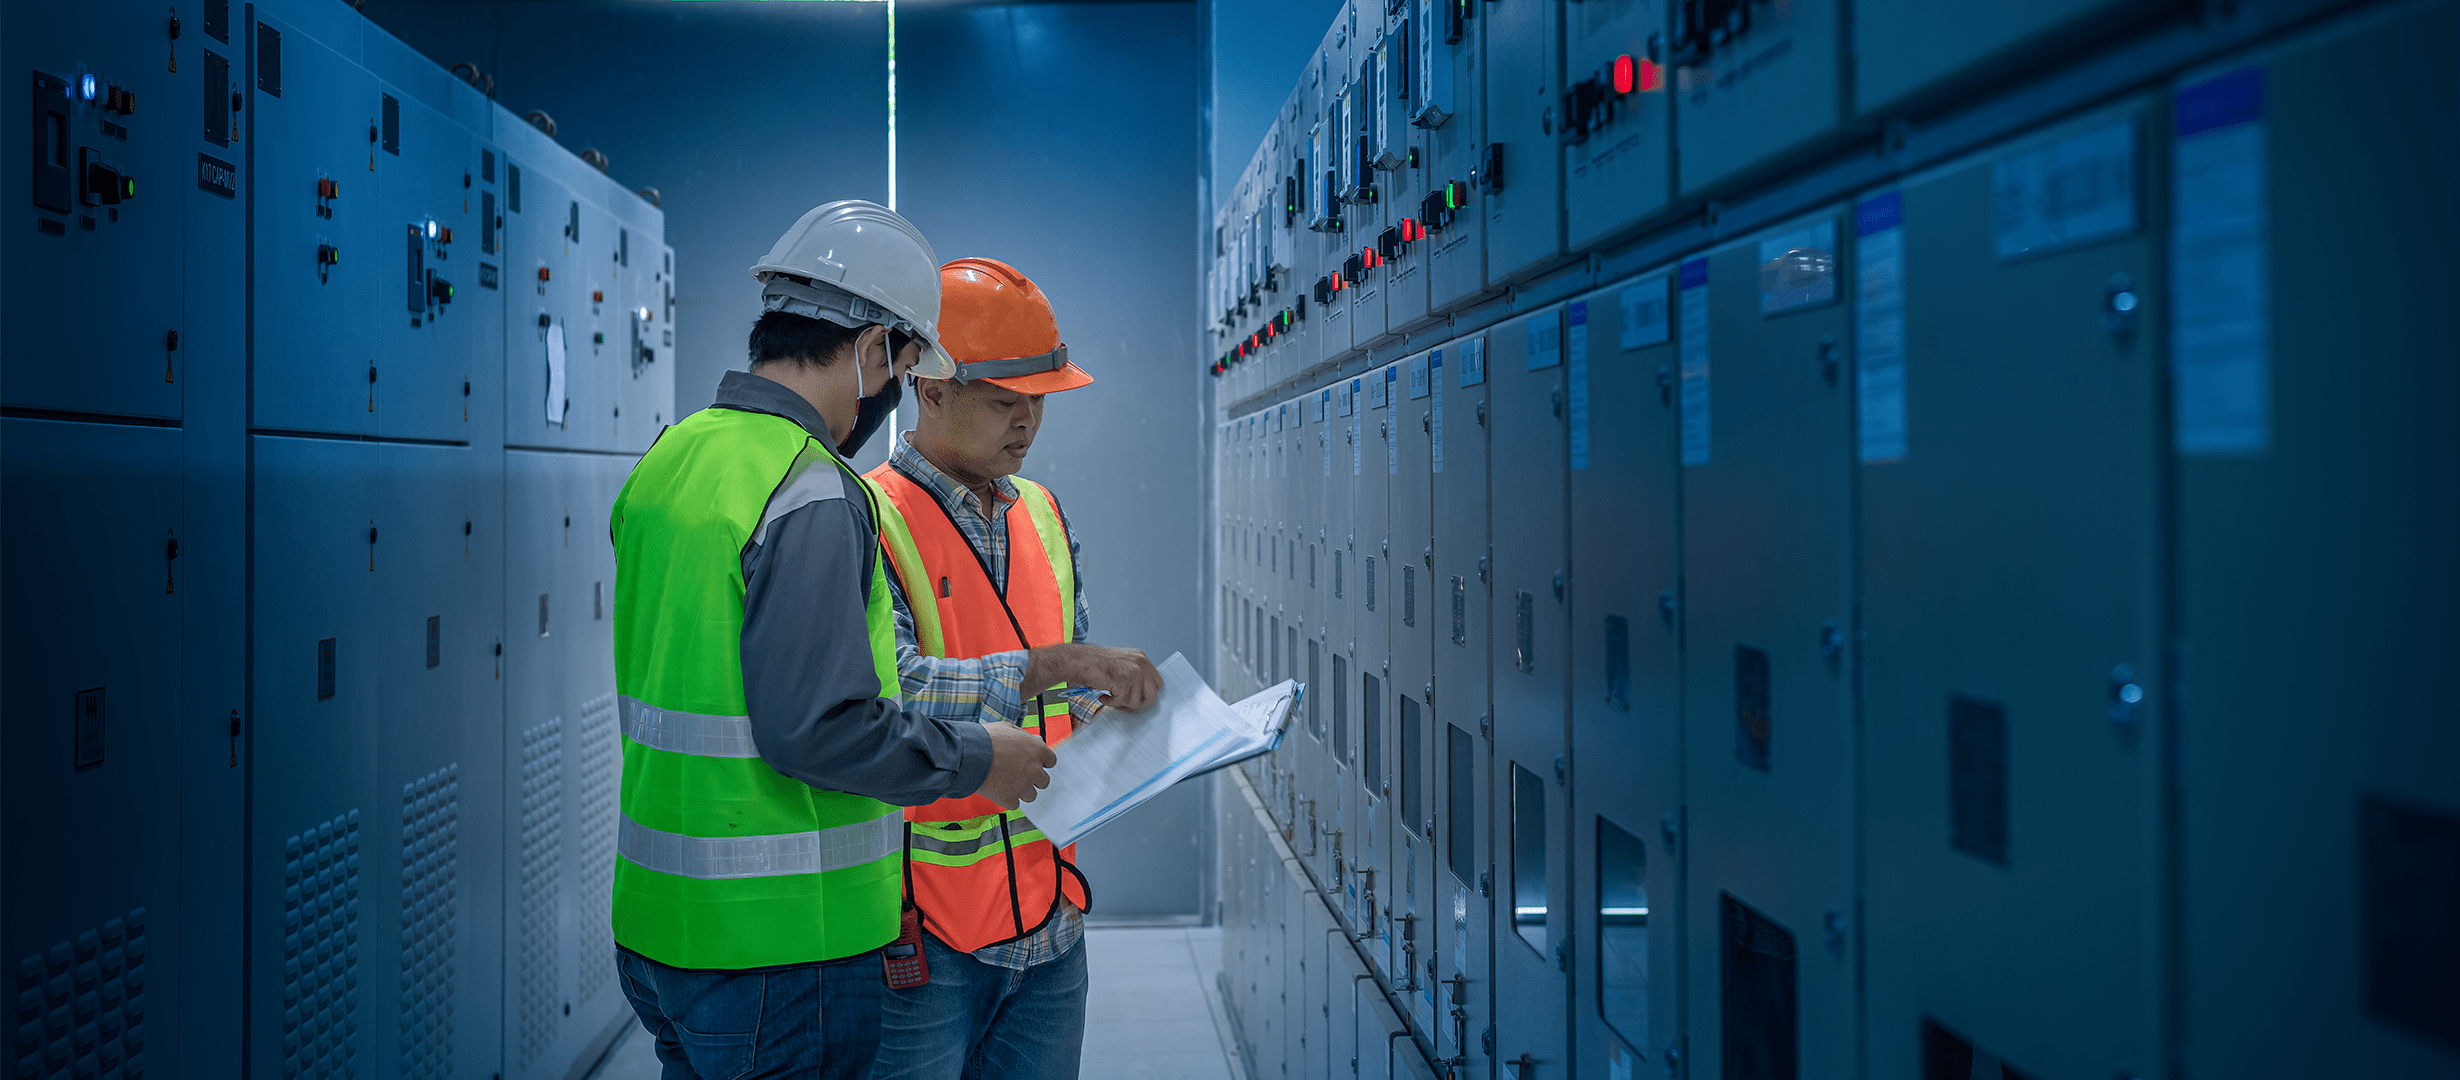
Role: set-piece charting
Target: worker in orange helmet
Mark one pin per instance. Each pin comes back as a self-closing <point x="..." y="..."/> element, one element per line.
<point x="991" y="618"/>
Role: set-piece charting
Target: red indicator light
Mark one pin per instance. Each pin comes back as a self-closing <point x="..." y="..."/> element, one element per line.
<point x="1652" y="76"/>
<point x="1623" y="74"/>
<point x="597" y="296"/>
<point x="544" y="274"/>
<point x="1338" y="284"/>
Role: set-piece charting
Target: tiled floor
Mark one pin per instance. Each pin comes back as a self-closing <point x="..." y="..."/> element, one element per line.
<point x="1152" y="1012"/>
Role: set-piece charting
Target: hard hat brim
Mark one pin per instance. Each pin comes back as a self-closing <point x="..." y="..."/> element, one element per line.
<point x="935" y="363"/>
<point x="1068" y="377"/>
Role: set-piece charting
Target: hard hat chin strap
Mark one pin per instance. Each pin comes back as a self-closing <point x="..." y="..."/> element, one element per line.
<point x="1009" y="369"/>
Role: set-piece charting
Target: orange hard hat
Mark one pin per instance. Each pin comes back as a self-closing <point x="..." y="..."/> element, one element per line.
<point x="998" y="327"/>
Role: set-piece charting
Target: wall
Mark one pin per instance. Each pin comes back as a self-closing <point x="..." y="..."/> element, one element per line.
<point x="1060" y="138"/>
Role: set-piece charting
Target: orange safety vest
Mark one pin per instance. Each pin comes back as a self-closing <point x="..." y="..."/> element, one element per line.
<point x="980" y="875"/>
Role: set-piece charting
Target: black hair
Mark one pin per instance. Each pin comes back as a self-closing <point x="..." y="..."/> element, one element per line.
<point x="782" y="336"/>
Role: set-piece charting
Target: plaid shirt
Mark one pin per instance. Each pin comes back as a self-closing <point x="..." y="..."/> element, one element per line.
<point x="984" y="687"/>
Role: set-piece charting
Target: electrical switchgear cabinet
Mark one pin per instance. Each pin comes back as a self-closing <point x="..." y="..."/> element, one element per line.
<point x="1768" y="733"/>
<point x="562" y="755"/>
<point x="1520" y="168"/>
<point x="2281" y="749"/>
<point x="1445" y="195"/>
<point x="1617" y="116"/>
<point x="1905" y="50"/>
<point x="107" y="190"/>
<point x="1460" y="600"/>
<point x="1626" y="731"/>
<point x="95" y="755"/>
<point x="1533" y="970"/>
<point x="2004" y="763"/>
<point x="1765" y="84"/>
<point x="1416" y="937"/>
<point x="379" y="706"/>
<point x="325" y="250"/>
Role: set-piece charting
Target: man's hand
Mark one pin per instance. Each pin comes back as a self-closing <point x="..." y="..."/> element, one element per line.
<point x="1126" y="675"/>
<point x="1019" y="765"/>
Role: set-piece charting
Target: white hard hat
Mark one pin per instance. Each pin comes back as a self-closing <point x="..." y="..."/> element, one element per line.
<point x="859" y="264"/>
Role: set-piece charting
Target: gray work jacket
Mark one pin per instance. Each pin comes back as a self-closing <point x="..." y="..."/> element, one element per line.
<point x="809" y="683"/>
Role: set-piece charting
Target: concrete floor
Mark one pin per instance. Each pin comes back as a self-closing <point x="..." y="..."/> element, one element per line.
<point x="1152" y="1012"/>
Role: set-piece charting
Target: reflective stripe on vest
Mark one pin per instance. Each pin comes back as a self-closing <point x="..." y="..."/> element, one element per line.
<point x="723" y="862"/>
<point x="697" y="734"/>
<point x="960" y="852"/>
<point x="774" y="855"/>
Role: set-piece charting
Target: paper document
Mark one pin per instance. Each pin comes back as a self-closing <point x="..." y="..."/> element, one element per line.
<point x="1110" y="766"/>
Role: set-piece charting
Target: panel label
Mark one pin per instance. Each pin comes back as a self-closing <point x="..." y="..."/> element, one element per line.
<point x="1435" y="382"/>
<point x="1695" y="361"/>
<point x="1473" y="362"/>
<point x="1392" y="436"/>
<point x="1576" y="342"/>
<point x="1879" y="328"/>
<point x="2070" y="192"/>
<point x="1545" y="342"/>
<point x="1323" y="402"/>
<point x="1644" y="313"/>
<point x="2220" y="269"/>
<point x="1417" y="378"/>
<point x="217" y="176"/>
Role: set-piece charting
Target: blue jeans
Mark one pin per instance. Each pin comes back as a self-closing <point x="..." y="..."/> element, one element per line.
<point x="808" y="1020"/>
<point x="974" y="1020"/>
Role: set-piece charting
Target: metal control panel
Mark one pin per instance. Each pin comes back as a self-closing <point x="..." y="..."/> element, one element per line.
<point x="331" y="664"/>
<point x="1805" y="599"/>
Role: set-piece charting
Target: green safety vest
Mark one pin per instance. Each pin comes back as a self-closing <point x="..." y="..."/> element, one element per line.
<point x="722" y="861"/>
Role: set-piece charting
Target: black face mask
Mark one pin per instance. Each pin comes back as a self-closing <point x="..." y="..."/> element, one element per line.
<point x="872" y="412"/>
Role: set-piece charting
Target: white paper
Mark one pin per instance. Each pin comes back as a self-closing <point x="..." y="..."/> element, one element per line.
<point x="1113" y="764"/>
<point x="1644" y="313"/>
<point x="555" y="374"/>
<point x="2067" y="193"/>
<point x="1545" y="343"/>
<point x="1473" y="362"/>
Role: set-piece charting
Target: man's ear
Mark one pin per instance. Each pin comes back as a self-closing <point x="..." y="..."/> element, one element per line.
<point x="933" y="394"/>
<point x="873" y="341"/>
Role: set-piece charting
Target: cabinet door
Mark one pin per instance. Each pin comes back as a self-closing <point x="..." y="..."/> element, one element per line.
<point x="1460" y="601"/>
<point x="2007" y="423"/>
<point x="90" y="663"/>
<point x="104" y="258"/>
<point x="2311" y="550"/>
<point x="1533" y="948"/>
<point x="1520" y="166"/>
<point x="329" y="268"/>
<point x="1618" y="118"/>
<point x="437" y="326"/>
<point x="1626" y="681"/>
<point x="1759" y="88"/>
<point x="1768" y="735"/>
